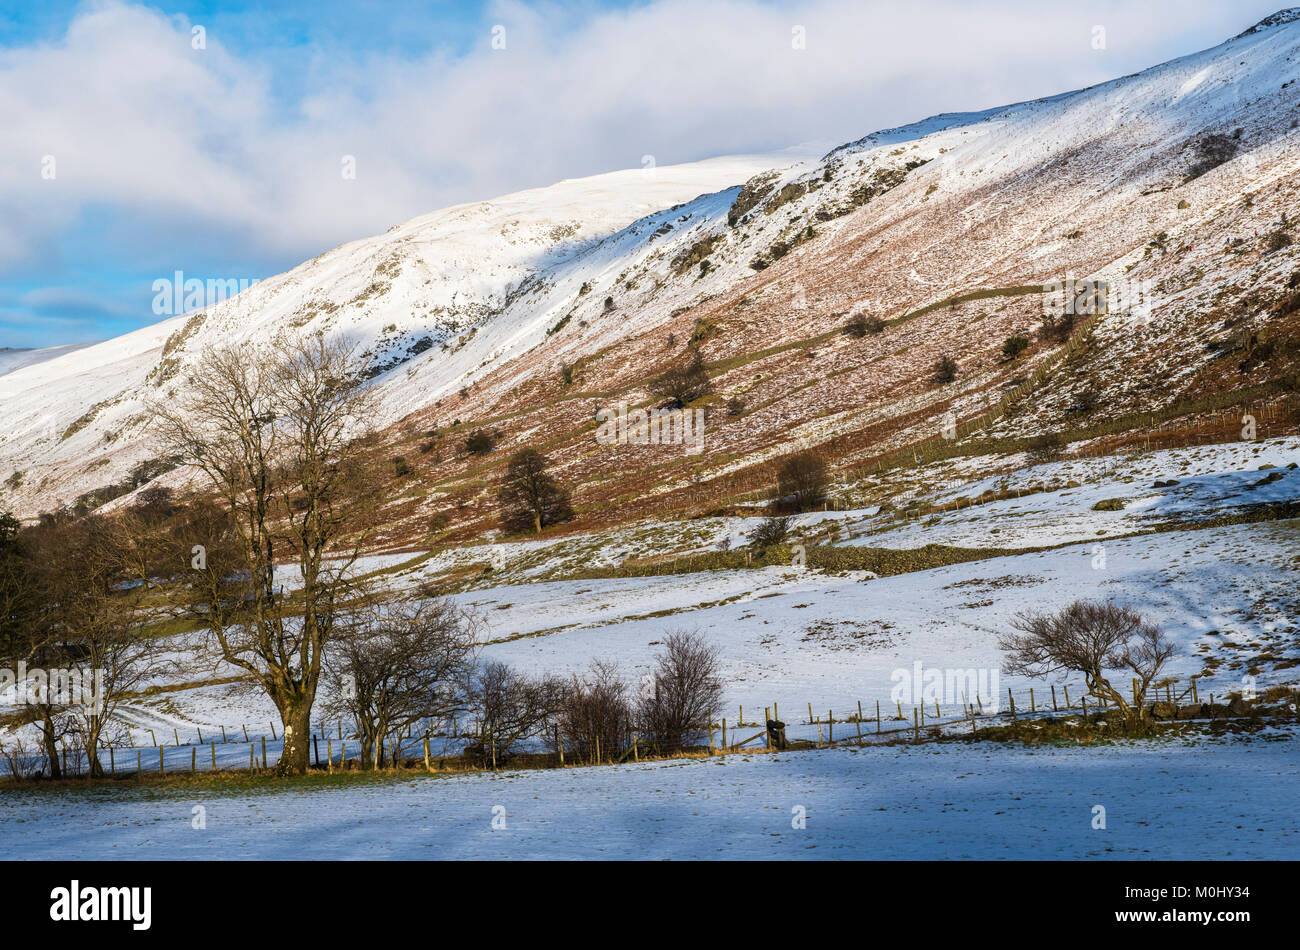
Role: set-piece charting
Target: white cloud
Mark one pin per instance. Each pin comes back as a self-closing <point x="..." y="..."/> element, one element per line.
<point x="136" y="119"/>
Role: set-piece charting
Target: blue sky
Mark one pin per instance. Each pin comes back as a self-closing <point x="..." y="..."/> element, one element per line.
<point x="222" y="161"/>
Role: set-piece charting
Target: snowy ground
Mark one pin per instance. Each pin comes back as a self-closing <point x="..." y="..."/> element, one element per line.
<point x="1202" y="799"/>
<point x="792" y="637"/>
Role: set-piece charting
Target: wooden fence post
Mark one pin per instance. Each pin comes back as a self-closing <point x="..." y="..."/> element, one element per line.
<point x="214" y="756"/>
<point x="263" y="751"/>
<point x="161" y="769"/>
<point x="916" y="726"/>
<point x="1054" y="697"/>
<point x="877" y="716"/>
<point x="194" y="758"/>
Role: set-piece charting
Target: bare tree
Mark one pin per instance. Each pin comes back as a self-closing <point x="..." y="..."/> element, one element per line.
<point x="98" y="619"/>
<point x="278" y="435"/>
<point x="511" y="707"/>
<point x="597" y="713"/>
<point x="801" y="482"/>
<point x="529" y="497"/>
<point x="1091" y="639"/>
<point x="684" y="693"/>
<point x="684" y="382"/>
<point x="397" y="665"/>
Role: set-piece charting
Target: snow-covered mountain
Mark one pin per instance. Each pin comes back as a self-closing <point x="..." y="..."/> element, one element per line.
<point x="943" y="228"/>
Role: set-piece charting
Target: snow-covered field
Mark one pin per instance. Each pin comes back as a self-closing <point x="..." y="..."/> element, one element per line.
<point x="1202" y="799"/>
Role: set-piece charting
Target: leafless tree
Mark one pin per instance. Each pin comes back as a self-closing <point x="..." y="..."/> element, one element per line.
<point x="1091" y="639"/>
<point x="801" y="482"/>
<point x="684" y="382"/>
<point x="279" y="434"/>
<point x="511" y="707"/>
<point x="597" y="713"/>
<point x="100" y="610"/>
<point x="681" y="697"/>
<point x="396" y="665"/>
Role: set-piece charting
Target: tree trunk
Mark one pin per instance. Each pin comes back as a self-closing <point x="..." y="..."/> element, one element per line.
<point x="92" y="747"/>
<point x="51" y="742"/>
<point x="296" y="757"/>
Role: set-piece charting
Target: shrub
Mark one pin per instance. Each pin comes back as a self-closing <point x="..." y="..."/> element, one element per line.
<point x="684" y="382"/>
<point x="479" y="442"/>
<point x="770" y="532"/>
<point x="1013" y="346"/>
<point x="735" y="406"/>
<point x="1087" y="400"/>
<point x="510" y="707"/>
<point x="945" y="370"/>
<point x="685" y="693"/>
<point x="705" y="328"/>
<point x="1110" y="504"/>
<point x="860" y="325"/>
<point x="400" y="466"/>
<point x="1278" y="240"/>
<point x="597" y="714"/>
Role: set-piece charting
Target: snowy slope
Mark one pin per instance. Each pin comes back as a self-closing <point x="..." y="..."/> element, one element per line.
<point x="12" y="359"/>
<point x="461" y="300"/>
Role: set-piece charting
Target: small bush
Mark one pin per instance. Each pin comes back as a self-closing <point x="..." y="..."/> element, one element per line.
<point x="1087" y="400"/>
<point x="1278" y="240"/>
<point x="479" y="442"/>
<point x="735" y="406"/>
<point x="945" y="370"/>
<point x="400" y="466"/>
<point x="1013" y="346"/>
<point x="1110" y="504"/>
<point x="770" y="532"/>
<point x="685" y="382"/>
